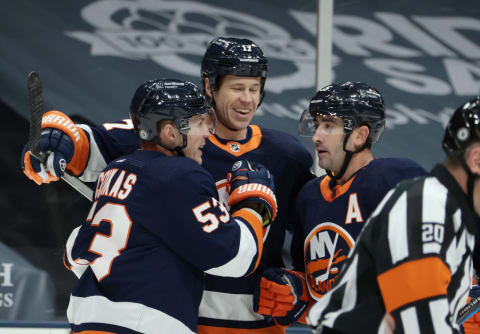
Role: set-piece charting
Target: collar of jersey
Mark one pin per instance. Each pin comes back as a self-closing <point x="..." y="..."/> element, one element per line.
<point x="332" y="193"/>
<point x="251" y="142"/>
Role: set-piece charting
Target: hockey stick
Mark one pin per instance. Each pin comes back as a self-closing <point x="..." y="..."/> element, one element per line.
<point x="35" y="100"/>
<point x="324" y="276"/>
<point x="468" y="310"/>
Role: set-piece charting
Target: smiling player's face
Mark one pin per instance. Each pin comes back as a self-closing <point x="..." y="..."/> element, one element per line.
<point x="236" y="101"/>
<point x="201" y="126"/>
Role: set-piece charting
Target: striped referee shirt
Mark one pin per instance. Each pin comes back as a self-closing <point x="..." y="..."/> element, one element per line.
<point x="411" y="269"/>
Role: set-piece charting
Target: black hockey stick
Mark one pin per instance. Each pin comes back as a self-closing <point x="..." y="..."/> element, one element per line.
<point x="35" y="100"/>
<point x="468" y="310"/>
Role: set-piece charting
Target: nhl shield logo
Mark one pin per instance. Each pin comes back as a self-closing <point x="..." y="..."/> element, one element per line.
<point x="235" y="147"/>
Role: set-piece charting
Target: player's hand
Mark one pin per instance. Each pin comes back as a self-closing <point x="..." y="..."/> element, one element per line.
<point x="59" y="148"/>
<point x="251" y="185"/>
<point x="67" y="148"/>
<point x="281" y="294"/>
<point x="472" y="324"/>
<point x="34" y="169"/>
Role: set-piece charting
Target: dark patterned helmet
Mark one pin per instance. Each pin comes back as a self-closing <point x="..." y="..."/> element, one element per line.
<point x="355" y="102"/>
<point x="165" y="99"/>
<point x="463" y="128"/>
<point x="233" y="56"/>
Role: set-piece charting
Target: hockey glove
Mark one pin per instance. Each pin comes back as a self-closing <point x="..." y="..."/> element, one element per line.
<point x="472" y="324"/>
<point x="281" y="294"/>
<point x="252" y="184"/>
<point x="67" y="147"/>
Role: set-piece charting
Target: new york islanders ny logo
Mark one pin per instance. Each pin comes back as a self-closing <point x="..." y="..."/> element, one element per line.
<point x="326" y="247"/>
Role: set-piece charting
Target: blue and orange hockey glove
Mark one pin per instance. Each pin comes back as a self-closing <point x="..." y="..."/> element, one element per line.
<point x="67" y="147"/>
<point x="252" y="184"/>
<point x="281" y="294"/>
<point x="472" y="324"/>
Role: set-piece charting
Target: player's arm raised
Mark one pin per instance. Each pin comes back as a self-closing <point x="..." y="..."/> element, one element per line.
<point x="79" y="149"/>
<point x="66" y="144"/>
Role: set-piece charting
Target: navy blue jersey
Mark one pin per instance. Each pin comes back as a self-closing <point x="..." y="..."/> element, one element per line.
<point x="330" y="217"/>
<point x="155" y="227"/>
<point x="227" y="302"/>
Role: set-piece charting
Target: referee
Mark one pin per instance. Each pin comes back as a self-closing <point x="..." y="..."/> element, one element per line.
<point x="411" y="269"/>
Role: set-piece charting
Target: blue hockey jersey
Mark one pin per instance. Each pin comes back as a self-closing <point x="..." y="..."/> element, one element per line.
<point x="227" y="304"/>
<point x="329" y="217"/>
<point x="155" y="227"/>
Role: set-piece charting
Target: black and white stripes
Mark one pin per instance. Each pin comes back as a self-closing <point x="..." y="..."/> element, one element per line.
<point x="411" y="269"/>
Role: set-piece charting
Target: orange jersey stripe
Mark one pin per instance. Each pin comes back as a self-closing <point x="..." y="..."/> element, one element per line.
<point x="412" y="281"/>
<point x="241" y="149"/>
<point x="256" y="224"/>
<point x="202" y="329"/>
<point x="337" y="191"/>
<point x="92" y="332"/>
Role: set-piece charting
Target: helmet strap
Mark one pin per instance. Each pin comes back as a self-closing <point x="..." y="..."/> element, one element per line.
<point x="348" y="157"/>
<point x="346" y="160"/>
<point x="262" y="95"/>
<point x="178" y="149"/>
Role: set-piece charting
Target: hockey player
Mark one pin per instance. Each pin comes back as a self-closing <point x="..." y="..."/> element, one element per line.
<point x="411" y="269"/>
<point x="156" y="223"/>
<point x="234" y="73"/>
<point x="345" y="119"/>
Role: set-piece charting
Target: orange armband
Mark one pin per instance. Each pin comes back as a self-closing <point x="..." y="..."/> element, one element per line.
<point x="58" y="120"/>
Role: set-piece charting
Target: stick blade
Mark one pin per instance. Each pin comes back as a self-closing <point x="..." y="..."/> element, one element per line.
<point x="35" y="100"/>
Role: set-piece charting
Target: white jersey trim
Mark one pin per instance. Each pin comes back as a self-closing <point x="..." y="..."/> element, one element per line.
<point x="227" y="306"/>
<point x="134" y="316"/>
<point x="79" y="266"/>
<point x="96" y="162"/>
<point x="247" y="249"/>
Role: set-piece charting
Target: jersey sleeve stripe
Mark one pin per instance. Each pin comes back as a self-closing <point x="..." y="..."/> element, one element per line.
<point x="430" y="210"/>
<point x="255" y="222"/>
<point x="96" y="162"/>
<point x="77" y="266"/>
<point x="134" y="316"/>
<point x="410" y="321"/>
<point x="93" y="332"/>
<point x="250" y="247"/>
<point x="415" y="284"/>
<point x="397" y="230"/>
<point x="439" y="312"/>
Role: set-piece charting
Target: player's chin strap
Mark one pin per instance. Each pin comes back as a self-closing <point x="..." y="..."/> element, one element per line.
<point x="347" y="159"/>
<point x="178" y="149"/>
